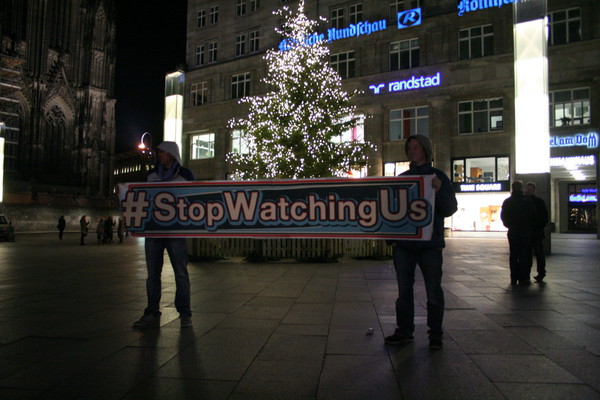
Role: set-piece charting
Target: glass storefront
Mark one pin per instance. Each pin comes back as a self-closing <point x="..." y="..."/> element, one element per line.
<point x="479" y="212"/>
<point x="582" y="208"/>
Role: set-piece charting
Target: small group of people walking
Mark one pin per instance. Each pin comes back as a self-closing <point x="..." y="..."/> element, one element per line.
<point x="525" y="215"/>
<point x="105" y="230"/>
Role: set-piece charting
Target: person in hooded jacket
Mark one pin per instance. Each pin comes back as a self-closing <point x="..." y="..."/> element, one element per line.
<point x="427" y="254"/>
<point x="168" y="169"/>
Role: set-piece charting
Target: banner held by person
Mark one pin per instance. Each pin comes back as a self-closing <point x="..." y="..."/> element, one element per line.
<point x="377" y="208"/>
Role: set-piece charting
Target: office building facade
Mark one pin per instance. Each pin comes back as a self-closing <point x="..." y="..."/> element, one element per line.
<point x="442" y="68"/>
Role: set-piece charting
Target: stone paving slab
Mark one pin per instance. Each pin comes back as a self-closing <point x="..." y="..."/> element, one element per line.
<point x="294" y="331"/>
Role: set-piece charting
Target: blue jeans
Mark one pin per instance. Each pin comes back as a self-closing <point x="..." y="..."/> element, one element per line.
<point x="430" y="262"/>
<point x="177" y="250"/>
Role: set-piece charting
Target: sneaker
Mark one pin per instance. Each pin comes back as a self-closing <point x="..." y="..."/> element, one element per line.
<point x="147" y="321"/>
<point x="186" y="322"/>
<point x="435" y="343"/>
<point x="397" y="340"/>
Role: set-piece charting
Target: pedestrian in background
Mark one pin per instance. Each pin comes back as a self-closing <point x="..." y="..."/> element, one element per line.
<point x="121" y="230"/>
<point x="518" y="215"/>
<point x="100" y="230"/>
<point x="61" y="226"/>
<point x="108" y="230"/>
<point x="537" y="231"/>
<point x="168" y="169"/>
<point x="427" y="254"/>
<point x="83" y="227"/>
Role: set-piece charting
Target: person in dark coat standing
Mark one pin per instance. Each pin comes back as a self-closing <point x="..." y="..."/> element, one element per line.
<point x="537" y="232"/>
<point x="518" y="215"/>
<point x="83" y="227"/>
<point x="61" y="226"/>
<point x="427" y="254"/>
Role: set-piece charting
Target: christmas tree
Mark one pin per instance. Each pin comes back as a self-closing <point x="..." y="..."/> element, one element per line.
<point x="295" y="130"/>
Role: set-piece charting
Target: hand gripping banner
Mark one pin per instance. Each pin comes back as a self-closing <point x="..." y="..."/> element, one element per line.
<point x="376" y="208"/>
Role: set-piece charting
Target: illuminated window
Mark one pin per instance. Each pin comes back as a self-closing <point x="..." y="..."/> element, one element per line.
<point x="570" y="107"/>
<point x="203" y="146"/>
<point x="355" y="14"/>
<point x="201" y="18"/>
<point x="213" y="15"/>
<point x="480" y="169"/>
<point x="240" y="85"/>
<point x="344" y="64"/>
<point x="337" y="18"/>
<point x="404" y="54"/>
<point x="254" y="38"/>
<point x="199" y="93"/>
<point x="238" y="144"/>
<point x="200" y="55"/>
<point x="564" y="26"/>
<point x="395" y="168"/>
<point x="213" y="48"/>
<point x="409" y="121"/>
<point x="354" y="134"/>
<point x="240" y="45"/>
<point x="476" y="42"/>
<point x="480" y="116"/>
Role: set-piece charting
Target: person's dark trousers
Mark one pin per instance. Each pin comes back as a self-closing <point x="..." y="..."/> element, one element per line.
<point x="60" y="234"/>
<point x="82" y="237"/>
<point x="537" y="244"/>
<point x="430" y="262"/>
<point x="520" y="258"/>
<point x="177" y="250"/>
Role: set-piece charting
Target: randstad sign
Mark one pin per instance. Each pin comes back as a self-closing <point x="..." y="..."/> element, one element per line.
<point x="364" y="28"/>
<point x="473" y="5"/>
<point x="414" y="82"/>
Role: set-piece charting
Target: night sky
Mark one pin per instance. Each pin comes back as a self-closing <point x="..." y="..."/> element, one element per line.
<point x="150" y="43"/>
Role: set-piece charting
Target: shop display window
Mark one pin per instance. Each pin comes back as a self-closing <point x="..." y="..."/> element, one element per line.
<point x="395" y="168"/>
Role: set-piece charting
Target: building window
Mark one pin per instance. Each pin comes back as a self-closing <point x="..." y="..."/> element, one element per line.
<point x="238" y="144"/>
<point x="481" y="169"/>
<point x="344" y="64"/>
<point x="201" y="18"/>
<point x="240" y="8"/>
<point x="396" y="6"/>
<point x="254" y="39"/>
<point x="570" y="107"/>
<point x="240" y="85"/>
<point x="213" y="15"/>
<point x="355" y="13"/>
<point x="199" y="93"/>
<point x="254" y="4"/>
<point x="476" y="42"/>
<point x="203" y="146"/>
<point x="564" y="26"/>
<point x="409" y="121"/>
<point x="395" y="168"/>
<point x="240" y="45"/>
<point x="200" y="55"/>
<point x="212" y="52"/>
<point x="480" y="116"/>
<point x="337" y="18"/>
<point x="404" y="54"/>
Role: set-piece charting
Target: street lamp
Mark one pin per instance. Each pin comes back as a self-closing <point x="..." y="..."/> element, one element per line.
<point x="142" y="146"/>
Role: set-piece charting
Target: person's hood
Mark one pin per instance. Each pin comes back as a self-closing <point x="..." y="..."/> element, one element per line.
<point x="425" y="142"/>
<point x="172" y="148"/>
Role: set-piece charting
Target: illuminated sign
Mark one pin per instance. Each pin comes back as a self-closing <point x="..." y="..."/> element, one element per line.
<point x="408" y="84"/>
<point x="406" y="19"/>
<point x="571" y="162"/>
<point x="482" y="187"/>
<point x="583" y="197"/>
<point x="473" y="5"/>
<point x="409" y="18"/>
<point x="581" y="139"/>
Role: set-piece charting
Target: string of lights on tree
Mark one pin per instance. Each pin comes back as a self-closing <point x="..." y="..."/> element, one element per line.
<point x="295" y="130"/>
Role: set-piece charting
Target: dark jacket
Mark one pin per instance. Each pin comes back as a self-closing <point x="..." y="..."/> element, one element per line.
<point x="518" y="214"/>
<point x="445" y="206"/>
<point x="541" y="217"/>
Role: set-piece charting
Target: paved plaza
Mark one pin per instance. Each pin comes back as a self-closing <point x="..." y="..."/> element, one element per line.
<point x="288" y="330"/>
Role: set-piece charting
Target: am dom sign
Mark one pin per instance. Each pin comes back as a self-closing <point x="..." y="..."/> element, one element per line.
<point x="376" y="208"/>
